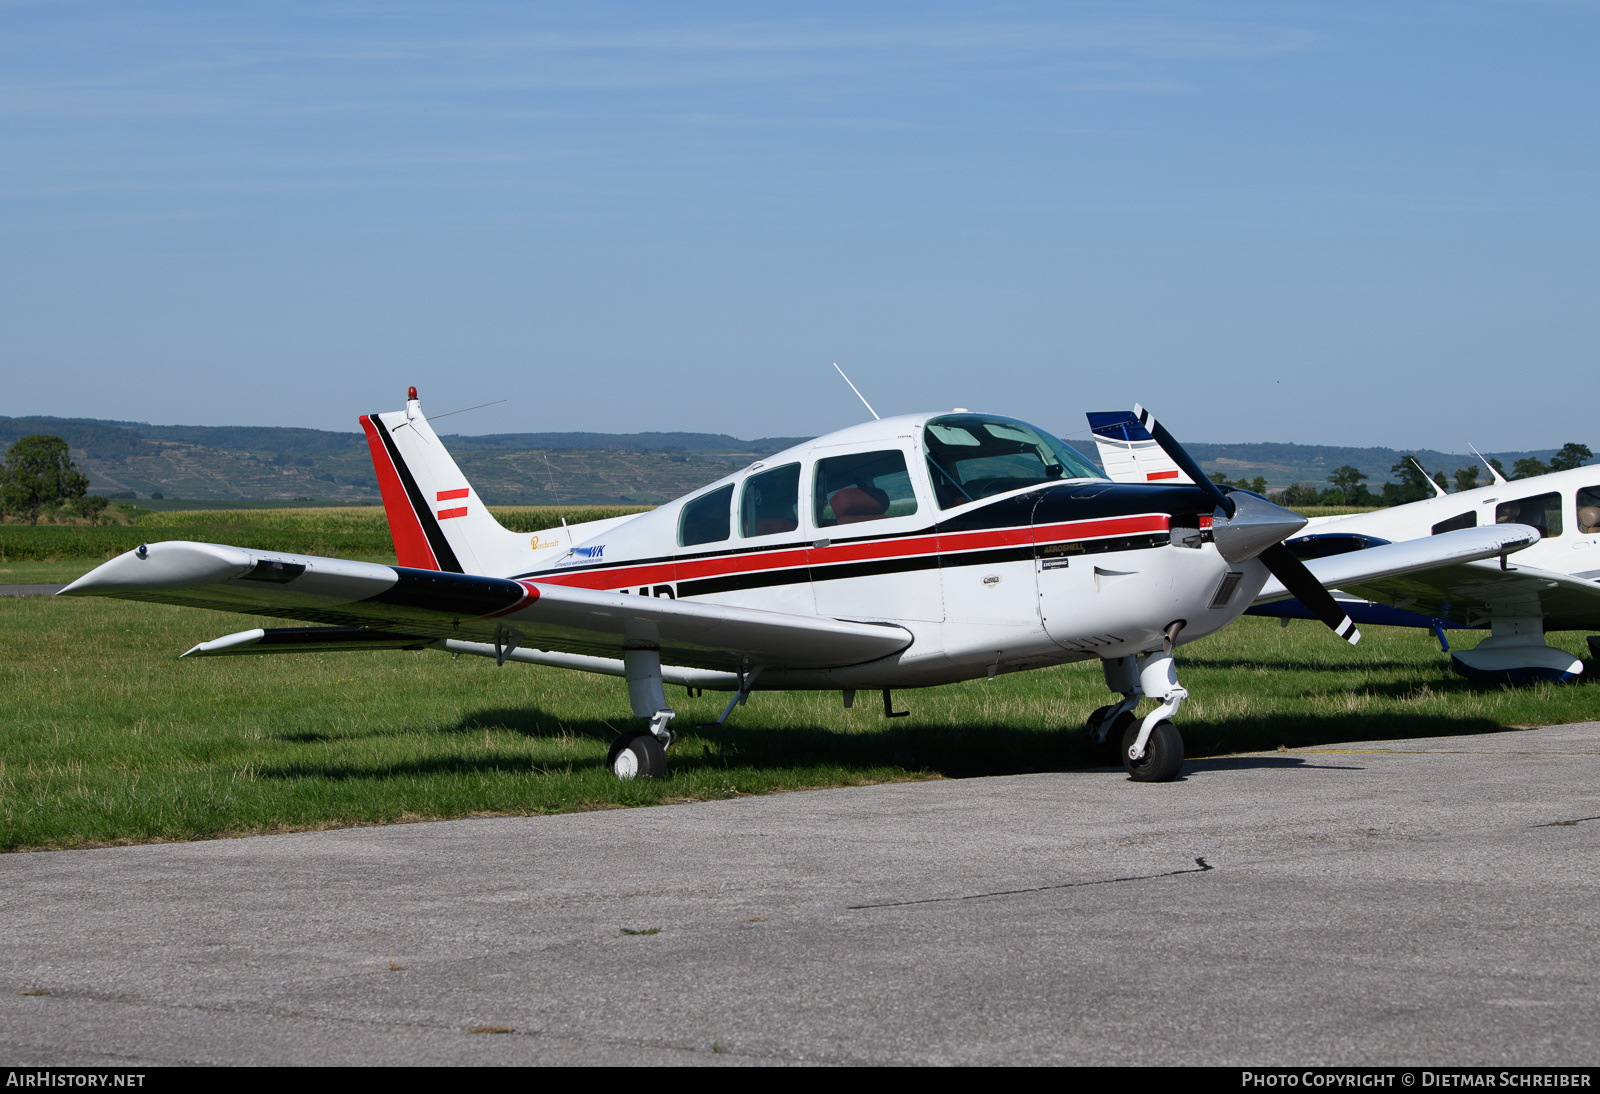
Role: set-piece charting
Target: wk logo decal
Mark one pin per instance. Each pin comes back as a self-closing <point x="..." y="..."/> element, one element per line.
<point x="578" y="555"/>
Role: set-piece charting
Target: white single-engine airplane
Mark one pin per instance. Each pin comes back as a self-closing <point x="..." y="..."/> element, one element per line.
<point x="1553" y="586"/>
<point x="903" y="552"/>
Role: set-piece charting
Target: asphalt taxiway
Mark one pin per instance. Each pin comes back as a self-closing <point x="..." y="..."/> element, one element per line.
<point x="1401" y="902"/>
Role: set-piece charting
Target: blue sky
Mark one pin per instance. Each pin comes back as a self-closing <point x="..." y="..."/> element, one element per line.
<point x="1355" y="223"/>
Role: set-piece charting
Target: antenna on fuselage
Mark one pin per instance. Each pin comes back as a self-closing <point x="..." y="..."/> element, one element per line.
<point x="1438" y="491"/>
<point x="1499" y="479"/>
<point x="860" y="396"/>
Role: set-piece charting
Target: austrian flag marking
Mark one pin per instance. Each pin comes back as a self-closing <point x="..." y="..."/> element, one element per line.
<point x="451" y="495"/>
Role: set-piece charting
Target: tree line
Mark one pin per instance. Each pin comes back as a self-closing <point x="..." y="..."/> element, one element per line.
<point x="1347" y="485"/>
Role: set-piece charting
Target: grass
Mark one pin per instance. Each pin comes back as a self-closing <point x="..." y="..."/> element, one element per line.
<point x="105" y="737"/>
<point x="360" y="532"/>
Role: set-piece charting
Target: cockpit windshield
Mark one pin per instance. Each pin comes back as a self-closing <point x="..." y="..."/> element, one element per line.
<point x="972" y="456"/>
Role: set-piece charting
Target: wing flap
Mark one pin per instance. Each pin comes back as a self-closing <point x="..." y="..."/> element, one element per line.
<point x="432" y="604"/>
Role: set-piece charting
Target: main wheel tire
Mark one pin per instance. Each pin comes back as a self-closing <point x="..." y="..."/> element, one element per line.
<point x="637" y="755"/>
<point x="1163" y="753"/>
<point x="1106" y="751"/>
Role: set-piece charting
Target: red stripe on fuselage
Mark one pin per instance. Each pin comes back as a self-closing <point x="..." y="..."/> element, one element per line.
<point x="780" y="558"/>
<point x="1154" y="475"/>
<point x="452" y="495"/>
<point x="446" y="514"/>
<point x="405" y="529"/>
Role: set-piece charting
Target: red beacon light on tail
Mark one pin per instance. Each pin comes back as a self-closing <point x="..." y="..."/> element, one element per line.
<point x="411" y="393"/>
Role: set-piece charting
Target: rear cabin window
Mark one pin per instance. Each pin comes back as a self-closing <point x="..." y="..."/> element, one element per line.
<point x="1465" y="520"/>
<point x="972" y="456"/>
<point x="707" y="519"/>
<point x="1542" y="512"/>
<point x="861" y="487"/>
<point x="771" y="502"/>
<point x="1589" y="510"/>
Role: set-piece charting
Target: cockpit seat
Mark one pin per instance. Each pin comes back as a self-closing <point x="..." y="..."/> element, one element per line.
<point x="854" y="504"/>
<point x="1589" y="519"/>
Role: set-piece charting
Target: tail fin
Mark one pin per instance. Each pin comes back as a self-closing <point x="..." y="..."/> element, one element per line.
<point x="437" y="521"/>
<point x="1128" y="452"/>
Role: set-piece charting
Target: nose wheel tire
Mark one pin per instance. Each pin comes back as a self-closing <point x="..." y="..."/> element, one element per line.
<point x="1107" y="751"/>
<point x="1163" y="754"/>
<point x="637" y="755"/>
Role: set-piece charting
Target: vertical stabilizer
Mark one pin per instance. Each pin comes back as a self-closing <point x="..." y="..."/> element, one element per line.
<point x="436" y="519"/>
<point x="1128" y="452"/>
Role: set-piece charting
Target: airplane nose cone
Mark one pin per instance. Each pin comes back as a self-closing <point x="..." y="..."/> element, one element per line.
<point x="1256" y="524"/>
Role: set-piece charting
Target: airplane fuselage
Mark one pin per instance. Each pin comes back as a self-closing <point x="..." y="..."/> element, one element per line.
<point x="1020" y="580"/>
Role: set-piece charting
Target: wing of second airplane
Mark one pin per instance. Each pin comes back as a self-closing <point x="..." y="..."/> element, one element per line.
<point x="1472" y="593"/>
<point x="1422" y="562"/>
<point x="413" y="604"/>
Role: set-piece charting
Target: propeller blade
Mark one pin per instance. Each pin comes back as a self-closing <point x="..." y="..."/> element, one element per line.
<point x="1260" y="521"/>
<point x="1169" y="444"/>
<point x="1309" y="591"/>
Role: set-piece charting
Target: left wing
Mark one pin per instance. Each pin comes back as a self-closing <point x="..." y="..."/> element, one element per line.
<point x="419" y="606"/>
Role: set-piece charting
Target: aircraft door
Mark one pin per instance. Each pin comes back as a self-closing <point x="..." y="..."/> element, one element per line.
<point x="1587" y="542"/>
<point x="874" y="553"/>
<point x="1088" y="591"/>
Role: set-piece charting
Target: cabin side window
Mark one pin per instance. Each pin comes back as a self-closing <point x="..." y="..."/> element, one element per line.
<point x="771" y="502"/>
<point x="861" y="487"/>
<point x="1589" y="510"/>
<point x="707" y="519"/>
<point x="1542" y="512"/>
<point x="1465" y="520"/>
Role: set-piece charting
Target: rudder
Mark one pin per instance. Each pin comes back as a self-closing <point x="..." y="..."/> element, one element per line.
<point x="436" y="520"/>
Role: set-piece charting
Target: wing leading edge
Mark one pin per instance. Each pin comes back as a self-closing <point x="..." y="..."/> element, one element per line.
<point x="1423" y="575"/>
<point x="428" y="604"/>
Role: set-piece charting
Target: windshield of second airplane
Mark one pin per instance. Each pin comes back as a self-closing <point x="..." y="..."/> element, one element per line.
<point x="972" y="456"/>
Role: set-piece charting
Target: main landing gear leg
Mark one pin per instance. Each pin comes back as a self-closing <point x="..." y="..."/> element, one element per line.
<point x="642" y="753"/>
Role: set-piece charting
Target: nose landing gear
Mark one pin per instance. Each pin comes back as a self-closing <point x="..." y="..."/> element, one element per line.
<point x="1150" y="748"/>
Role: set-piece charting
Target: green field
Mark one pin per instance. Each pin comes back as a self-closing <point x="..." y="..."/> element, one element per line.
<point x="108" y="738"/>
<point x="359" y="532"/>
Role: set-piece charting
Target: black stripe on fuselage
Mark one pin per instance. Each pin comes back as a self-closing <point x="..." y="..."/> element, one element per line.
<point x="442" y="554"/>
<point x="796" y="575"/>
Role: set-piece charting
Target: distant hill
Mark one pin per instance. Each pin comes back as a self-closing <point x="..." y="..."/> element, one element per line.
<point x="222" y="463"/>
